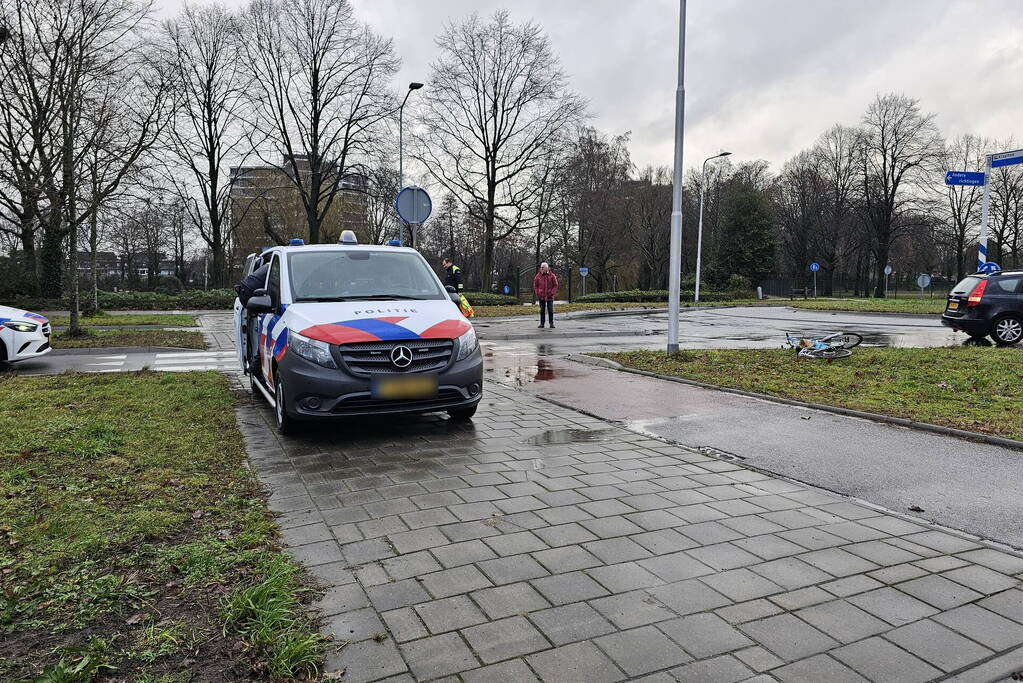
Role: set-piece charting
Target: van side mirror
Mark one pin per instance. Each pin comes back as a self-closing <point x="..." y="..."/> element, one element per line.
<point x="259" y="292"/>
<point x="450" y="289"/>
<point x="259" y="304"/>
<point x="454" y="297"/>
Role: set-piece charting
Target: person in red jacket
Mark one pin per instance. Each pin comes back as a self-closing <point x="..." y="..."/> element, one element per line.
<point x="545" y="286"/>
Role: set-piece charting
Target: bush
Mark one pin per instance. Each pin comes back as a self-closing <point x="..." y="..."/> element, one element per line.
<point x="658" y="295"/>
<point x="487" y="299"/>
<point x="168" y="284"/>
<point x="213" y="299"/>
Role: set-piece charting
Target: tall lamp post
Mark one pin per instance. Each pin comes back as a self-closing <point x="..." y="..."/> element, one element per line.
<point x="401" y="138"/>
<point x="699" y="231"/>
<point x="675" y="271"/>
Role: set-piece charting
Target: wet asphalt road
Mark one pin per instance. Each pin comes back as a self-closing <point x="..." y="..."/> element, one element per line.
<point x="960" y="484"/>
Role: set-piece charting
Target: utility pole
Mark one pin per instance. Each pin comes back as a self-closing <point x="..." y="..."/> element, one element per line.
<point x="675" y="272"/>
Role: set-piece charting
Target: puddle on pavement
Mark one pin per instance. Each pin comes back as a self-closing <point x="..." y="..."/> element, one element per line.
<point x="557" y="436"/>
<point x="524" y="365"/>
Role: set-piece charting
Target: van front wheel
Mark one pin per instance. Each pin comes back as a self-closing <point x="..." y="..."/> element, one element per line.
<point x="462" y="414"/>
<point x="285" y="423"/>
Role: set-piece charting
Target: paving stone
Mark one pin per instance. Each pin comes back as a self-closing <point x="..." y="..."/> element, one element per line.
<point x="747" y="611"/>
<point x="366" y="661"/>
<point x="409" y="566"/>
<point x="842" y="621"/>
<point x="851" y="585"/>
<point x="741" y="584"/>
<point x="935" y="565"/>
<point x="937" y="645"/>
<point x="565" y="559"/>
<point x="580" y="662"/>
<point x="982" y="579"/>
<point x="420" y="539"/>
<point x="812" y="539"/>
<point x="512" y="671"/>
<point x="750" y="524"/>
<point x="466" y="552"/>
<point x="688" y="597"/>
<point x="511" y="569"/>
<point x="609" y="527"/>
<point x="942" y="542"/>
<point x="398" y="594"/>
<point x="704" y="635"/>
<point x="504" y="601"/>
<point x="562" y="589"/>
<point x="788" y="637"/>
<point x="624" y="577"/>
<point x="354" y="626"/>
<point x="428" y="518"/>
<point x="565" y="534"/>
<point x="893" y="606"/>
<point x="454" y="581"/>
<point x="791" y="573"/>
<point x="897" y="574"/>
<point x="723" y="556"/>
<point x="881" y="553"/>
<point x="768" y="546"/>
<point x="803" y="597"/>
<point x="340" y="599"/>
<point x="628" y="610"/>
<point x="371" y="550"/>
<point x="992" y="559"/>
<point x="939" y="591"/>
<point x="516" y="543"/>
<point x="983" y="626"/>
<point x="642" y="650"/>
<point x="374" y="528"/>
<point x="571" y="623"/>
<point x="615" y="550"/>
<point x="312" y="554"/>
<point x="816" y="669"/>
<point x="497" y="640"/>
<point x="879" y="660"/>
<point x="332" y="574"/>
<point x="449" y="614"/>
<point x="675" y="567"/>
<point x="724" y="669"/>
<point x="308" y="533"/>
<point x="1008" y="604"/>
<point x="837" y="562"/>
<point x="438" y="656"/>
<point x="404" y="625"/>
<point x="758" y="659"/>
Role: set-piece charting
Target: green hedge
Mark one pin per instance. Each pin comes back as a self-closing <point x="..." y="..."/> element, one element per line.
<point x="656" y="295"/>
<point x="486" y="299"/>
<point x="212" y="299"/>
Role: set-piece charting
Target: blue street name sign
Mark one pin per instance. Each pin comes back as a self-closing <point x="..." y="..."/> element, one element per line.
<point x="814" y="267"/>
<point x="990" y="267"/>
<point x="1007" y="158"/>
<point x="584" y="271"/>
<point x="964" y="178"/>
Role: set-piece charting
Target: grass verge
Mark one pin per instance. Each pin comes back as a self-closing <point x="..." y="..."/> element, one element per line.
<point x="105" y="319"/>
<point x="972" y="388"/>
<point x="135" y="543"/>
<point x="907" y="305"/>
<point x="101" y="339"/>
<point x="935" y="306"/>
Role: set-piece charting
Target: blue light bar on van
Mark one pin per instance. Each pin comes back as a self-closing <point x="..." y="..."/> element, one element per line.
<point x="296" y="242"/>
<point x="394" y="243"/>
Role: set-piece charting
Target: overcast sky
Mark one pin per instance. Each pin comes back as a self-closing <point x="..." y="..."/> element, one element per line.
<point x="763" y="77"/>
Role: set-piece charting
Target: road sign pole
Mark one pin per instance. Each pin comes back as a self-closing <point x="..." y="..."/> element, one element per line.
<point x="815" y="284"/>
<point x="675" y="272"/>
<point x="984" y="208"/>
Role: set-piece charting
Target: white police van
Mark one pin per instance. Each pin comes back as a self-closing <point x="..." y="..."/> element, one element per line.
<point x="353" y="330"/>
<point x="23" y="335"/>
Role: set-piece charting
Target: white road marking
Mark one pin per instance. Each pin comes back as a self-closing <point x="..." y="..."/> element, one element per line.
<point x="194" y="354"/>
<point x="122" y="357"/>
<point x="118" y="363"/>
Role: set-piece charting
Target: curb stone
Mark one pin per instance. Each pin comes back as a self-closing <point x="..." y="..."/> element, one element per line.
<point x="97" y="350"/>
<point x="849" y="412"/>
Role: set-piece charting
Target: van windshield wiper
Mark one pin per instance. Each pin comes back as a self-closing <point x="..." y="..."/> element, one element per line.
<point x="385" y="297"/>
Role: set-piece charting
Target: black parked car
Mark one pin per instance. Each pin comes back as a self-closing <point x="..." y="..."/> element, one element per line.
<point x="983" y="305"/>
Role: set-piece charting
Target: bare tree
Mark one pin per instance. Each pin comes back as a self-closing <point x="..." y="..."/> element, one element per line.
<point x="496" y="99"/>
<point x="898" y="145"/>
<point x="204" y="136"/>
<point x="650" y="211"/>
<point x="381" y="217"/>
<point x="318" y="92"/>
<point x="1006" y="214"/>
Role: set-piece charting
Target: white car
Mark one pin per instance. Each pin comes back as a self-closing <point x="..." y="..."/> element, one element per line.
<point x="23" y="335"/>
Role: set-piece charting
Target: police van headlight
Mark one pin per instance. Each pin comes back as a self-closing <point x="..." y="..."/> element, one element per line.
<point x="467" y="343"/>
<point x="21" y="327"/>
<point x="311" y="349"/>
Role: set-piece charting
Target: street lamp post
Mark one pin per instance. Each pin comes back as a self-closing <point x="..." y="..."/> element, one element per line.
<point x="401" y="138"/>
<point x="675" y="272"/>
<point x="699" y="231"/>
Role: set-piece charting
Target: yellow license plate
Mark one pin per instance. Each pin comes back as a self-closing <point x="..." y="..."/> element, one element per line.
<point x="953" y="305"/>
<point x="419" y="386"/>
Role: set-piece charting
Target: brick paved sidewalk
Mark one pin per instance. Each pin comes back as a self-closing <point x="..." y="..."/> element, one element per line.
<point x="487" y="557"/>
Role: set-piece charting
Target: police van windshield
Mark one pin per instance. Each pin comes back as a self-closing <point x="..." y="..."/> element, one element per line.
<point x="336" y="275"/>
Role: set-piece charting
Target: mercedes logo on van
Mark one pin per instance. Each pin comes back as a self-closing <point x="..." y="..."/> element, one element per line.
<point x="401" y="356"/>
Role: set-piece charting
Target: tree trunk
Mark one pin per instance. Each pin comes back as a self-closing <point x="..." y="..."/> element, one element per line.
<point x="51" y="276"/>
<point x="75" y="327"/>
<point x="28" y="254"/>
<point x="93" y="253"/>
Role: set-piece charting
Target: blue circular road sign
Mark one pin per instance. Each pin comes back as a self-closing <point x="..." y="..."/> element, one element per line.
<point x="814" y="267"/>
<point x="413" y="204"/>
<point x="990" y="267"/>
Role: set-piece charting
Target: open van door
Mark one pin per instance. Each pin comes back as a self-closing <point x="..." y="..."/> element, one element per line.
<point x="251" y="263"/>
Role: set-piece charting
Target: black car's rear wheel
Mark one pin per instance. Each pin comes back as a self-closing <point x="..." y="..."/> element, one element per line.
<point x="1007" y="330"/>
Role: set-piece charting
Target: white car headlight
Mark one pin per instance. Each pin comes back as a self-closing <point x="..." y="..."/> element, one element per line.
<point x="311" y="349"/>
<point x="21" y="327"/>
<point x="467" y="343"/>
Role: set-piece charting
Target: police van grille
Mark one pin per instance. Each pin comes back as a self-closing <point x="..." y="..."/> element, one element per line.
<point x="368" y="358"/>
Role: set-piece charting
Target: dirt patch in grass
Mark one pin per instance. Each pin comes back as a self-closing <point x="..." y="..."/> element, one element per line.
<point x="972" y="388"/>
<point x="134" y="543"/>
<point x="105" y="319"/>
<point x="101" y="339"/>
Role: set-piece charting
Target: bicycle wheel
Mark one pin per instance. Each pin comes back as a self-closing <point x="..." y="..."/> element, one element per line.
<point x="843" y="340"/>
<point x="828" y="354"/>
